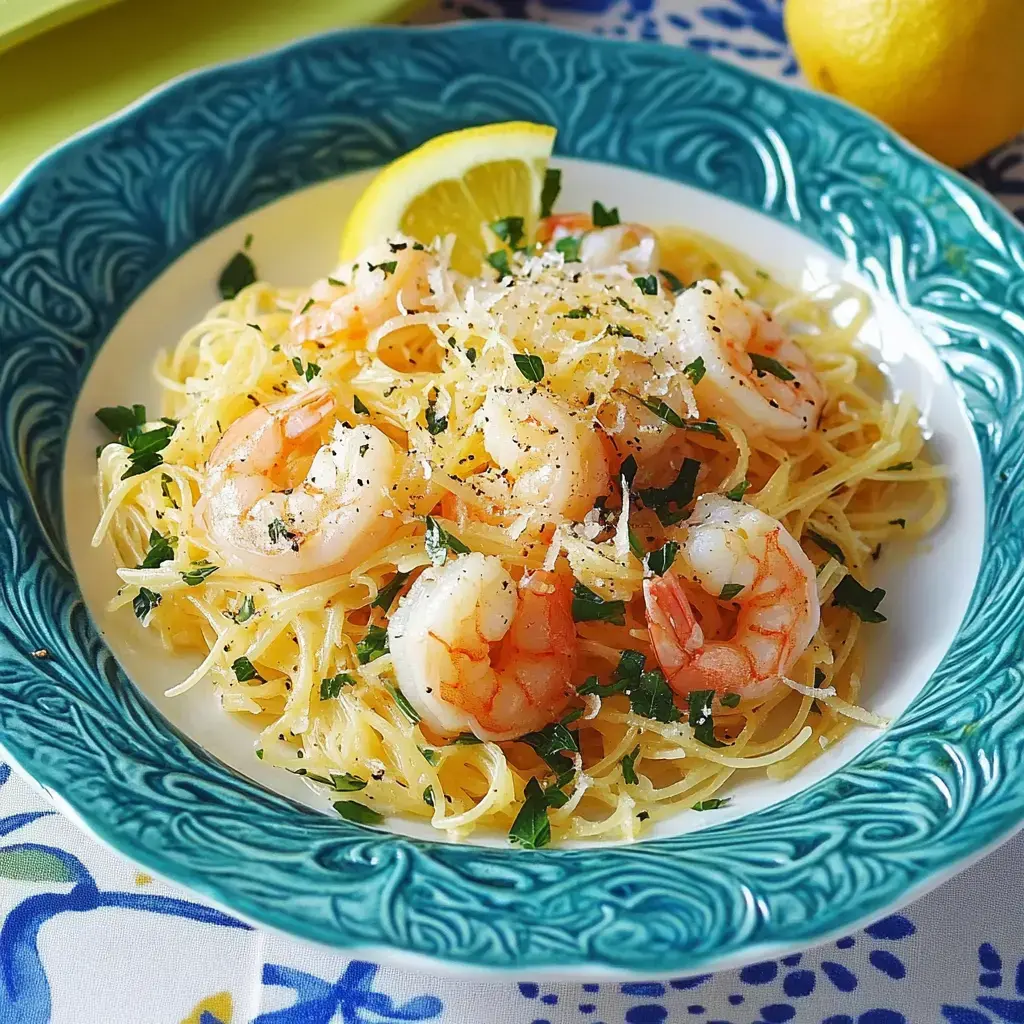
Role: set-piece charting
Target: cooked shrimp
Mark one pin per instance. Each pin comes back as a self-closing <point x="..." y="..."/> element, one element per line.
<point x="387" y="280"/>
<point x="267" y="519"/>
<point x="443" y="636"/>
<point x="727" y="544"/>
<point x="634" y="245"/>
<point x="550" y="459"/>
<point x="725" y="330"/>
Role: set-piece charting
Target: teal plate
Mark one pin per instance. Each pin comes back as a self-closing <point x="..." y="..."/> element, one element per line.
<point x="93" y="223"/>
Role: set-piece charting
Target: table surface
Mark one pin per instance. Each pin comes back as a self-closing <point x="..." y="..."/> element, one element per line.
<point x="87" y="939"/>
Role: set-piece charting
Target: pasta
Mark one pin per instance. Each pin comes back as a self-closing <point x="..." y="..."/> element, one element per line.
<point x="403" y="347"/>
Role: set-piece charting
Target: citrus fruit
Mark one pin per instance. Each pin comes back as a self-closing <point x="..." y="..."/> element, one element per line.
<point x="458" y="183"/>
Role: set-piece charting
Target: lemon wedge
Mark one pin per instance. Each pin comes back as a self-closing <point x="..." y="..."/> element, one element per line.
<point x="458" y="183"/>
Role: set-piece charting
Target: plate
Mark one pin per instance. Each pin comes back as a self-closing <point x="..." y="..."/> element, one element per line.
<point x="110" y="248"/>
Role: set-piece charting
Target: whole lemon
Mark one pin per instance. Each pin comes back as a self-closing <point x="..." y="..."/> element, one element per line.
<point x="947" y="74"/>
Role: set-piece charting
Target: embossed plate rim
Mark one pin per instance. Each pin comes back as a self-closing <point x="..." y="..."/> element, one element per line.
<point x="617" y="953"/>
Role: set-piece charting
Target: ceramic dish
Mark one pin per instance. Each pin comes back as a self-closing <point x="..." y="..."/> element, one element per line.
<point x="109" y="247"/>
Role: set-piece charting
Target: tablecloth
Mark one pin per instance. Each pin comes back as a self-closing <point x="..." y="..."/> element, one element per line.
<point x="86" y="938"/>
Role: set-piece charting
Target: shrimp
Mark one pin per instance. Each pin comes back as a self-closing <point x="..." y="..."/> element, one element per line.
<point x="265" y="519"/>
<point x="387" y="280"/>
<point x="472" y="652"/>
<point x="729" y="543"/>
<point x="551" y="461"/>
<point x="782" y="403"/>
<point x="634" y="245"/>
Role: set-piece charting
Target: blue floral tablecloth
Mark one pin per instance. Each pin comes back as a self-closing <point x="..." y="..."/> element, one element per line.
<point x="88" y="939"/>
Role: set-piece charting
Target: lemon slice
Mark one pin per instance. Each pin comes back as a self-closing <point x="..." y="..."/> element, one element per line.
<point x="457" y="183"/>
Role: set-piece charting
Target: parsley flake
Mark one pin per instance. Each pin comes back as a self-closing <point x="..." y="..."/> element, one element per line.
<point x="672" y="281"/>
<point x="737" y="492"/>
<point x="246" y="610"/>
<point x="602" y="217"/>
<point x="352" y="810"/>
<point x="387" y="594"/>
<point x="695" y="370"/>
<point x="160" y="551"/>
<point x="713" y="803"/>
<point x="373" y="646"/>
<point x="700" y="718"/>
<point x="765" y="364"/>
<point x="729" y="591"/>
<point x="863" y="602"/>
<point x="729" y="700"/>
<point x="438" y="542"/>
<point x="569" y="247"/>
<point x="899" y="467"/>
<point x="404" y="706"/>
<point x="629" y="775"/>
<point x="531" y="367"/>
<point x="387" y="268"/>
<point x="549" y="191"/>
<point x="499" y="260"/>
<point x="659" y="562"/>
<point x="828" y="546"/>
<point x="590" y="607"/>
<point x="331" y="687"/>
<point x="244" y="670"/>
<point x="144" y="602"/>
<point x="509" y="230"/>
<point x="358" y="407"/>
<point x="579" y="313"/>
<point x="278" y="531"/>
<point x="198" y="573"/>
<point x="435" y="424"/>
<point x="648" y="285"/>
<point x="239" y="273"/>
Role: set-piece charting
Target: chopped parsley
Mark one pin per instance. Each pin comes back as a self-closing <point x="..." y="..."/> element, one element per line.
<point x="466" y="739"/>
<point x="828" y="546"/>
<point x="312" y="369"/>
<point x="331" y="686"/>
<point x="160" y="551"/>
<point x="579" y="313"/>
<point x="144" y="602"/>
<point x="373" y="646"/>
<point x="165" y="489"/>
<point x="660" y="409"/>
<point x="549" y="743"/>
<point x="432" y="757"/>
<point x="387" y="594"/>
<point x="602" y="217"/>
<point x="648" y="285"/>
<point x="120" y="419"/>
<point x="499" y="260"/>
<point x="509" y="230"/>
<point x="343" y="782"/>
<point x="435" y="424"/>
<point x="277" y="531"/>
<point x="729" y="591"/>
<point x="439" y="542"/>
<point x="700" y="718"/>
<point x="549" y="192"/>
<point x="306" y="306"/>
<point x="531" y="830"/>
<point x="863" y="602"/>
<point x="765" y="364"/>
<point x="901" y="523"/>
<point x="352" y="810"/>
<point x="244" y="670"/>
<point x="651" y="696"/>
<point x="471" y="355"/>
<point x="634" y="544"/>
<point x="358" y="407"/>
<point x="388" y="268"/>
<point x="695" y="370"/>
<point x="428" y="796"/>
<point x="737" y="492"/>
<point x="660" y="561"/>
<point x="199" y="573"/>
<point x="569" y="247"/>
<point x="627" y="469"/>
<point x="239" y="273"/>
<point x="672" y="281"/>
<point x="404" y="706"/>
<point x="713" y="803"/>
<point x="708" y="426"/>
<point x="629" y="775"/>
<point x="246" y="610"/>
<point x="590" y="607"/>
<point x="679" y="493"/>
<point x="898" y="467"/>
<point x="729" y="700"/>
<point x="531" y="367"/>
